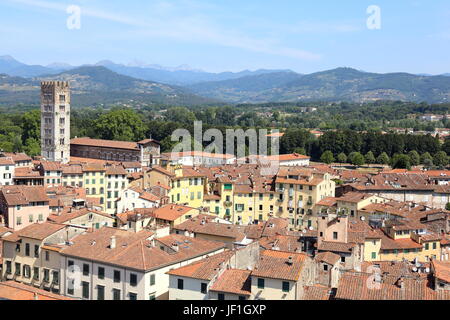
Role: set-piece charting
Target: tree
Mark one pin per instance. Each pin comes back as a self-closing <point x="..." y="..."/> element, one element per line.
<point x="401" y="161"/>
<point x="440" y="159"/>
<point x="426" y="158"/>
<point x="370" y="158"/>
<point x="327" y="157"/>
<point x="31" y="125"/>
<point x="32" y="147"/>
<point x="415" y="157"/>
<point x="447" y="207"/>
<point x="342" y="158"/>
<point x="383" y="158"/>
<point x="180" y="114"/>
<point x="120" y="124"/>
<point x="301" y="151"/>
<point x="358" y="159"/>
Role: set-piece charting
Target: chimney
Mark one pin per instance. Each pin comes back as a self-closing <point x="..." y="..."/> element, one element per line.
<point x="36" y="297"/>
<point x="113" y="242"/>
<point x="290" y="261"/>
<point x="175" y="247"/>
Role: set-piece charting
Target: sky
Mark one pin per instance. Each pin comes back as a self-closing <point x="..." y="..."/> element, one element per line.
<point x="232" y="35"/>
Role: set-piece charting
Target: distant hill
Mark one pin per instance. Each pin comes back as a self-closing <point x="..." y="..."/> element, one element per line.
<point x="176" y="77"/>
<point x="98" y="85"/>
<point x="12" y="67"/>
<point x="256" y="88"/>
<point x="181" y="76"/>
<point x="342" y="84"/>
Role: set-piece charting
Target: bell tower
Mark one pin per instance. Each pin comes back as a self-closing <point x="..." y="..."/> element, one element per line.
<point x="55" y="121"/>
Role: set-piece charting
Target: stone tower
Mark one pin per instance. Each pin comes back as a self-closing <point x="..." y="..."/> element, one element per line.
<point x="55" y="121"/>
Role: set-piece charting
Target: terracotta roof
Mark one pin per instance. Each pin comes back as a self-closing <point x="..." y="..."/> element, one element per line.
<point x="105" y="143"/>
<point x="17" y="157"/>
<point x="327" y="257"/>
<point x="274" y="265"/>
<point x="353" y="286"/>
<point x="11" y="290"/>
<point x="146" y="141"/>
<point x="171" y="212"/>
<point x="336" y="246"/>
<point x="135" y="250"/>
<point x="441" y="270"/>
<point x="70" y="214"/>
<point x="288" y="157"/>
<point x="51" y="166"/>
<point x="131" y="164"/>
<point x="328" y="202"/>
<point x="6" y="161"/>
<point x="205" y="269"/>
<point x="316" y="292"/>
<point x="176" y="155"/>
<point x="23" y="195"/>
<point x="282" y="243"/>
<point x="234" y="232"/>
<point x="388" y="243"/>
<point x="113" y="170"/>
<point x="26" y="172"/>
<point x="233" y="281"/>
<point x="37" y="231"/>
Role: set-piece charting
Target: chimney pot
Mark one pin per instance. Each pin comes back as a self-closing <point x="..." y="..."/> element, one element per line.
<point x="113" y="243"/>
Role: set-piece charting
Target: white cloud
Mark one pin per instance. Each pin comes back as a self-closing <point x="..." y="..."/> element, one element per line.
<point x="167" y="20"/>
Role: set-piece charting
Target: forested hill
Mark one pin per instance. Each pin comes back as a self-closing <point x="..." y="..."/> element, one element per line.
<point x="98" y="85"/>
<point x="342" y="84"/>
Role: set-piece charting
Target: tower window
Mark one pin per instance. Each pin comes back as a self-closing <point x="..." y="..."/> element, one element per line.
<point x="62" y="98"/>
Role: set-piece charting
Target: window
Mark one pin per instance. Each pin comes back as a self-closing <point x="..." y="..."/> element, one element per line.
<point x="343" y="259"/>
<point x="36" y="273"/>
<point x="18" y="247"/>
<point x="203" y="288"/>
<point x="220" y="296"/>
<point x="133" y="296"/>
<point x="17" y="269"/>
<point x="46" y="275"/>
<point x="335" y="235"/>
<point x="27" y="271"/>
<point x="101" y="273"/>
<point x="100" y="293"/>
<point x="242" y="298"/>
<point x="55" y="277"/>
<point x="8" y="267"/>
<point x="374" y="255"/>
<point x="70" y="263"/>
<point x="180" y="284"/>
<point x="152" y="297"/>
<point x="434" y="245"/>
<point x="427" y="246"/>
<point x="133" y="280"/>
<point x="116" y="276"/>
<point x="47" y="255"/>
<point x="152" y="279"/>
<point x="325" y="267"/>
<point x="85" y="289"/>
<point x="85" y="269"/>
<point x="116" y="294"/>
<point x="261" y="283"/>
<point x="27" y="249"/>
<point x="286" y="286"/>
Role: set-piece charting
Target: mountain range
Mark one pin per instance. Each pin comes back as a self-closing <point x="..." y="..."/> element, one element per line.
<point x="98" y="85"/>
<point x="107" y="82"/>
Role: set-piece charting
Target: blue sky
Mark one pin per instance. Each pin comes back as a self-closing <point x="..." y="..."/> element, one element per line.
<point x="232" y="35"/>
